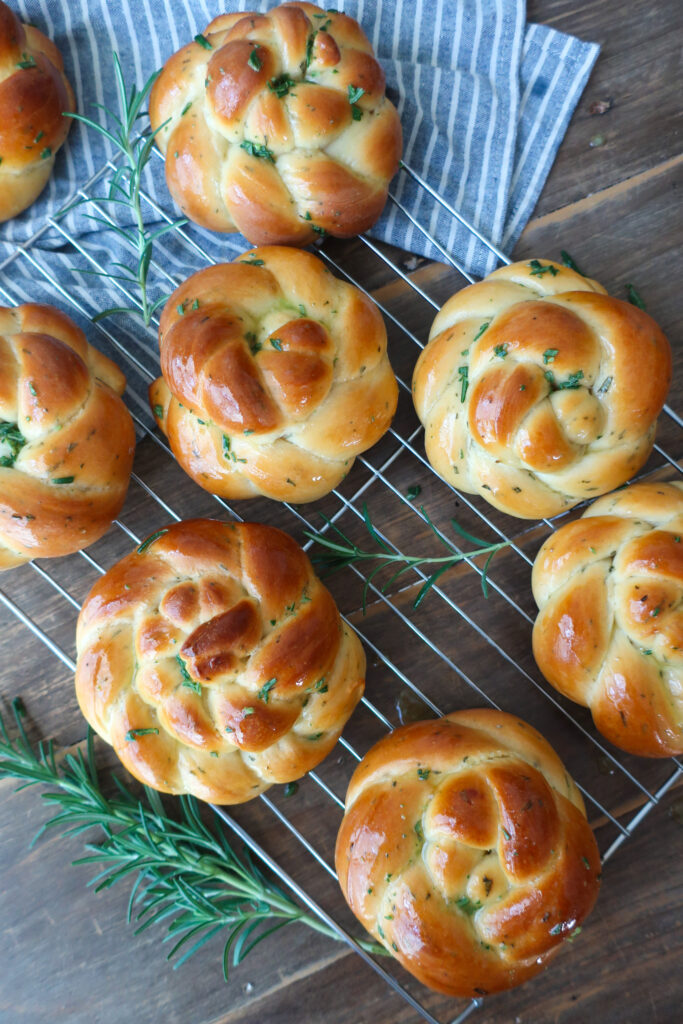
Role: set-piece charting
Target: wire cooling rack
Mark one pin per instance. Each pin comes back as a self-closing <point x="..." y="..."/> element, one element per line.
<point x="456" y="650"/>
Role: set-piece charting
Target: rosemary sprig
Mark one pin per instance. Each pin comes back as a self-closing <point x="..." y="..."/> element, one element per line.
<point x="125" y="190"/>
<point x="337" y="554"/>
<point x="184" y="870"/>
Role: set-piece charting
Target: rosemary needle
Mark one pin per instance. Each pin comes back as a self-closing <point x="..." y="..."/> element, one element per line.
<point x="184" y="870"/>
<point x="125" y="190"/>
<point x="338" y="553"/>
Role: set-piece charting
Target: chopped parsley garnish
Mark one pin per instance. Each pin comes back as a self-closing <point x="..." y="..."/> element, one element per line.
<point x="159" y="411"/>
<point x="466" y="904"/>
<point x="254" y="345"/>
<point x="355" y="94"/>
<point x="463" y="377"/>
<point x="605" y="386"/>
<point x="314" y="736"/>
<point x="255" y="61"/>
<point x="185" y="108"/>
<point x="281" y="85"/>
<point x="314" y="227"/>
<point x="309" y="50"/>
<point x="254" y="263"/>
<point x="276" y="343"/>
<point x="481" y="330"/>
<point x="203" y="41"/>
<point x="188" y="681"/>
<point x="634" y="297"/>
<point x="418" y="830"/>
<point x="549" y="355"/>
<point x="264" y="692"/>
<point x="501" y="351"/>
<point x="538" y="269"/>
<point x="47" y="152"/>
<point x="413" y="492"/>
<point x="228" y="453"/>
<point x="247" y="711"/>
<point x="556" y="929"/>
<point x="291" y="788"/>
<point x="150" y="540"/>
<point x="570" y="384"/>
<point x="423" y="773"/>
<point x="15" y="441"/>
<point x="257" y="150"/>
<point x="133" y="734"/>
<point x="569" y="262"/>
<point x="63" y="479"/>
<point x="27" y="61"/>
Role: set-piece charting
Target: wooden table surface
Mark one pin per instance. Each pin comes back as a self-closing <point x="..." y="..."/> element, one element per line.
<point x="70" y="956"/>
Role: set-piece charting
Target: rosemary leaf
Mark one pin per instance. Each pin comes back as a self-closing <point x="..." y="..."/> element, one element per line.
<point x="186" y="872"/>
<point x="338" y="552"/>
<point x="135" y="149"/>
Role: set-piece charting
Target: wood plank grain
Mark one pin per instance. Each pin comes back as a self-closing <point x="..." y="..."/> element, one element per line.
<point x="639" y="61"/>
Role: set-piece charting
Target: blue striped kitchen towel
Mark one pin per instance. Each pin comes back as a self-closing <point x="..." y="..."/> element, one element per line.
<point x="484" y="100"/>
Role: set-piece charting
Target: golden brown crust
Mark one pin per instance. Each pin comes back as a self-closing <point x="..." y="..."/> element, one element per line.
<point x="220" y="639"/>
<point x="66" y="437"/>
<point x="275" y="376"/>
<point x="34" y="94"/>
<point x="609" y="632"/>
<point x="465" y="850"/>
<point x="538" y="390"/>
<point x="282" y="82"/>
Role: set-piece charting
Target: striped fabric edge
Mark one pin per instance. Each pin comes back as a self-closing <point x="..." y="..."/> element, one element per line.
<point x="565" y="64"/>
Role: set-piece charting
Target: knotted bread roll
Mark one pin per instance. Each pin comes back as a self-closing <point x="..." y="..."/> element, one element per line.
<point x="34" y="95"/>
<point x="215" y="662"/>
<point x="465" y="850"/>
<point x="537" y="389"/>
<point x="609" y="632"/>
<point x="275" y="376"/>
<point x="66" y="437"/>
<point x="277" y="125"/>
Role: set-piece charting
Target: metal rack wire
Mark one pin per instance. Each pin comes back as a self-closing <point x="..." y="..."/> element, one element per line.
<point x="400" y="449"/>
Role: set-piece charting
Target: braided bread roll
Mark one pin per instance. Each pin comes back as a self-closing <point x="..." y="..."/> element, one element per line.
<point x="34" y="94"/>
<point x="609" y="632"/>
<point x="277" y="125"/>
<point x="275" y="376"/>
<point x="537" y="389"/>
<point x="215" y="662"/>
<point x="66" y="438"/>
<point x="465" y="850"/>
